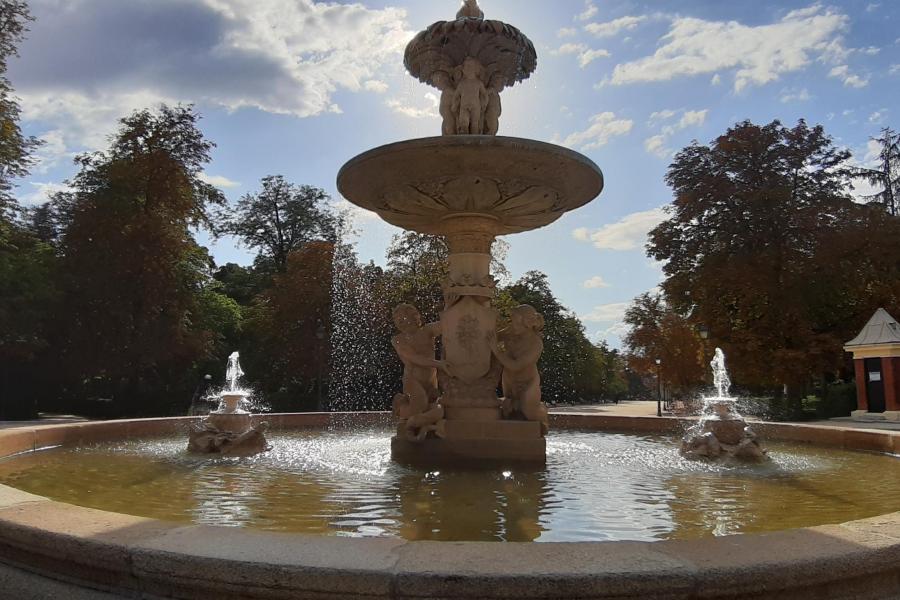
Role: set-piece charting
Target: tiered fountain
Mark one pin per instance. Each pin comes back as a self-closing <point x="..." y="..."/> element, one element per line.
<point x="229" y="429"/>
<point x="470" y="186"/>
<point x="721" y="432"/>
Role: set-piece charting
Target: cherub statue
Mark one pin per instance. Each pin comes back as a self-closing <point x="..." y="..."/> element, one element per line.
<point x="470" y="10"/>
<point x="521" y="349"/>
<point x="471" y="98"/>
<point x="418" y="404"/>
<point x="494" y="109"/>
<point x="443" y="81"/>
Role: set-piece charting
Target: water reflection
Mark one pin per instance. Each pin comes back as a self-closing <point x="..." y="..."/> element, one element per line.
<point x="453" y="505"/>
<point x="595" y="487"/>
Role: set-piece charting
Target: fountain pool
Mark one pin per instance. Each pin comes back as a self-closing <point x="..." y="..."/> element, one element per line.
<point x="595" y="487"/>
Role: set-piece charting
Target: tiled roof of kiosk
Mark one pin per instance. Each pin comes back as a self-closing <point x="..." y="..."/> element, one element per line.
<point x="881" y="329"/>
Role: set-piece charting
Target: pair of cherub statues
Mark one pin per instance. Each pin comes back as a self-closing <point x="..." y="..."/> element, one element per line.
<point x="470" y="99"/>
<point x="517" y="348"/>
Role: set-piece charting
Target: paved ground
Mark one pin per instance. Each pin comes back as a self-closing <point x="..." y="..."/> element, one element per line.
<point x="640" y="408"/>
<point x="630" y="408"/>
<point x="45" y="420"/>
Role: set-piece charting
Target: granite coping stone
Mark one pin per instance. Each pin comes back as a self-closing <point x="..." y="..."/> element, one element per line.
<point x="145" y="558"/>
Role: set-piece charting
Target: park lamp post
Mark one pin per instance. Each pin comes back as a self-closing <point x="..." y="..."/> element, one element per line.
<point x="658" y="387"/>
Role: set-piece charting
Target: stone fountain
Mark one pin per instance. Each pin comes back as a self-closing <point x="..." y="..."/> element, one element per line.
<point x="470" y="186"/>
<point x="230" y="429"/>
<point x="721" y="432"/>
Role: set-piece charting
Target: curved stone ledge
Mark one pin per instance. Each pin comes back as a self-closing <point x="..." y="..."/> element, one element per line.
<point x="135" y="557"/>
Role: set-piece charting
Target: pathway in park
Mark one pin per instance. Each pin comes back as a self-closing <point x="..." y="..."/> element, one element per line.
<point x="646" y="408"/>
<point x="629" y="408"/>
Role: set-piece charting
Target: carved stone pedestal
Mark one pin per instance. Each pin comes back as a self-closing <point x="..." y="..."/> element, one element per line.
<point x="475" y="442"/>
<point x="231" y="434"/>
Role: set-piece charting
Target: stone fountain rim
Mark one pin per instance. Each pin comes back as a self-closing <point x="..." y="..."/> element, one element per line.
<point x="372" y="179"/>
<point x="134" y="555"/>
<point x="443" y="141"/>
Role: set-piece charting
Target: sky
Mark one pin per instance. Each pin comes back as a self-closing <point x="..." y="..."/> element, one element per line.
<point x="297" y="88"/>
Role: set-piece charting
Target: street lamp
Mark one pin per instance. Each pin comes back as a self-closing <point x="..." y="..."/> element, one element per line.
<point x="703" y="330"/>
<point x="658" y="387"/>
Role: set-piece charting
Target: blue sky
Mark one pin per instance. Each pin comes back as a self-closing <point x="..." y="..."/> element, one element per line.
<point x="296" y="87"/>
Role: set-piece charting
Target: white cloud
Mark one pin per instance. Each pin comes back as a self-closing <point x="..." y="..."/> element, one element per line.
<point x="872" y="7"/>
<point x="567" y="32"/>
<point x="878" y="116"/>
<point x="716" y="80"/>
<point x="80" y="65"/>
<point x="657" y="144"/>
<point x="619" y="330"/>
<point x="795" y="95"/>
<point x="596" y="282"/>
<point x="590" y="11"/>
<point x="586" y="58"/>
<point x="585" y="54"/>
<point x="757" y="55"/>
<point x="870" y="51"/>
<point x="603" y="127"/>
<point x="629" y="233"/>
<point x="614" y="27"/>
<point x="429" y="111"/>
<point x="219" y="181"/>
<point x="607" y="313"/>
<point x="51" y="153"/>
<point x="894" y="69"/>
<point x="662" y="115"/>
<point x="582" y="234"/>
<point x="843" y="73"/>
<point x="692" y="118"/>
<point x="41" y="192"/>
<point x="375" y="85"/>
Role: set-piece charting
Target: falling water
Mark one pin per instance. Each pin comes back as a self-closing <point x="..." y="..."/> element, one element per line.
<point x="721" y="381"/>
<point x="364" y="372"/>
<point x="233" y="373"/>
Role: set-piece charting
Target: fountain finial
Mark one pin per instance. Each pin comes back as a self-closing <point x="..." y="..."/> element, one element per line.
<point x="470" y="10"/>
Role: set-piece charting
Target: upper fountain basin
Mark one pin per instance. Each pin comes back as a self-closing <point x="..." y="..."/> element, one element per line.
<point x="518" y="184"/>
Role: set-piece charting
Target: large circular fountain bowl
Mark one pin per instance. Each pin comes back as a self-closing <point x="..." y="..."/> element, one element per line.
<point x="520" y="184"/>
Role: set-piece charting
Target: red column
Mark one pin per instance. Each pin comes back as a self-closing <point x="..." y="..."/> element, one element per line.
<point x="891" y="383"/>
<point x="861" y="399"/>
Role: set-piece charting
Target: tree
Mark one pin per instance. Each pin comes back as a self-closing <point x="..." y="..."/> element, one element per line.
<point x="569" y="358"/>
<point x="15" y="147"/>
<point x="753" y="232"/>
<point x="659" y="333"/>
<point x="887" y="175"/>
<point x="28" y="298"/>
<point x="281" y="218"/>
<point x="286" y="351"/>
<point x="134" y="276"/>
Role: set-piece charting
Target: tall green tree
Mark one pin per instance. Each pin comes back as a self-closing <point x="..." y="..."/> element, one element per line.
<point x="570" y="363"/>
<point x="134" y="276"/>
<point x="887" y="174"/>
<point x="280" y="219"/>
<point x="15" y="147"/>
<point x="755" y="215"/>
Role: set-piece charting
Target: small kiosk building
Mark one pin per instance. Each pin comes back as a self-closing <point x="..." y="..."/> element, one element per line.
<point x="876" y="355"/>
